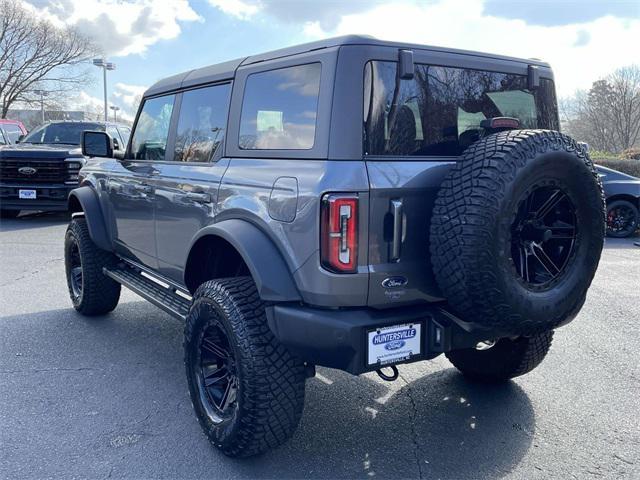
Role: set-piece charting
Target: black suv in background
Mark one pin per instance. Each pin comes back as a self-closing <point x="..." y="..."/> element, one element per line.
<point x="39" y="172"/>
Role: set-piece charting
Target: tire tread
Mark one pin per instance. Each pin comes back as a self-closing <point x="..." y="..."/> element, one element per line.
<point x="467" y="208"/>
<point x="100" y="294"/>
<point x="273" y="378"/>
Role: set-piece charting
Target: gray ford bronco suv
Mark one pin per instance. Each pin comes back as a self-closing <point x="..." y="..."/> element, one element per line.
<point x="350" y="203"/>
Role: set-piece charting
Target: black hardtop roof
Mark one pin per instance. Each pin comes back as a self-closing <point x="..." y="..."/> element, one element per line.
<point x="226" y="70"/>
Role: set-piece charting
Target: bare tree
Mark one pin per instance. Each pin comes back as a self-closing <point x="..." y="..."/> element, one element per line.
<point x="36" y="55"/>
<point x="608" y="115"/>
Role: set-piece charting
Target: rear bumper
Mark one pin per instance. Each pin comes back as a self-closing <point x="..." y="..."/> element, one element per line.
<point x="338" y="338"/>
<point x="50" y="197"/>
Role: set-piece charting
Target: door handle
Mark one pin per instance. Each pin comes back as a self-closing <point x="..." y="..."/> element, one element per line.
<point x="198" y="197"/>
<point x="141" y="187"/>
<point x="396" y="210"/>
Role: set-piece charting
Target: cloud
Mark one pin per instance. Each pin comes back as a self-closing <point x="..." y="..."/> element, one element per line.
<point x="124" y="96"/>
<point x="583" y="39"/>
<point x="127" y="96"/>
<point x="606" y="43"/>
<point x="327" y="13"/>
<point x="120" y="27"/>
<point x="556" y="12"/>
<point x="236" y="8"/>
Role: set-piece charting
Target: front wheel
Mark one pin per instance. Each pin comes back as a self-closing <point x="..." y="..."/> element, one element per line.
<point x="91" y="292"/>
<point x="246" y="388"/>
<point x="622" y="219"/>
<point x="507" y="358"/>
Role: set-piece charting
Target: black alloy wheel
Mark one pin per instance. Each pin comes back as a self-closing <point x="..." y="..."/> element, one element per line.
<point x="247" y="390"/>
<point x="75" y="269"/>
<point x="543" y="236"/>
<point x="622" y="219"/>
<point x="217" y="374"/>
<point x="517" y="232"/>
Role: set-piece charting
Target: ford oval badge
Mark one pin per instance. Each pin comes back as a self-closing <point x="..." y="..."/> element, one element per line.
<point x="395" y="282"/>
<point x="27" y="170"/>
<point x="394" y="345"/>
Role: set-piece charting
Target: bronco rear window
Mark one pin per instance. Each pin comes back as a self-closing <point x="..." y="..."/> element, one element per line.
<point x="438" y="112"/>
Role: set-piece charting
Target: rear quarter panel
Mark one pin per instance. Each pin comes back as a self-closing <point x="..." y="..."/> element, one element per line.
<point x="246" y="192"/>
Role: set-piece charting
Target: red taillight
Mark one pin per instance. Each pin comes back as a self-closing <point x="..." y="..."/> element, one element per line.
<point x="339" y="232"/>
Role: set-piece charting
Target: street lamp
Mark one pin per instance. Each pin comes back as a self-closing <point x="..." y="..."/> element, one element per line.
<point x="101" y="62"/>
<point x="115" y="112"/>
<point x="42" y="94"/>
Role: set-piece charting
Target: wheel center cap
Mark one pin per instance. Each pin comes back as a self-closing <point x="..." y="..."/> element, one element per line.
<point x="532" y="231"/>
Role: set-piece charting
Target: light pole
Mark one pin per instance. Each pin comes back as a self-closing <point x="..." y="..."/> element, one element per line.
<point x="101" y="62"/>
<point x="115" y="112"/>
<point x="42" y="94"/>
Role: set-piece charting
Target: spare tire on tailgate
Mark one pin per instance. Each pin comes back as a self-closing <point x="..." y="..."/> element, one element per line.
<point x="517" y="231"/>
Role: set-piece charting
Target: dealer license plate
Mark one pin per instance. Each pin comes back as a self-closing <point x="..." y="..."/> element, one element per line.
<point x="394" y="344"/>
<point x="27" y="194"/>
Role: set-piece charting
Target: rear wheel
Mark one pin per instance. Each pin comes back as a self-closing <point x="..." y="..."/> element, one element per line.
<point x="507" y="358"/>
<point x="622" y="218"/>
<point x="246" y="388"/>
<point x="517" y="232"/>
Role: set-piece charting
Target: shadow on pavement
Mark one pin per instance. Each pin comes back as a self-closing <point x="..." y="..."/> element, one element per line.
<point x="110" y="395"/>
<point x="34" y="220"/>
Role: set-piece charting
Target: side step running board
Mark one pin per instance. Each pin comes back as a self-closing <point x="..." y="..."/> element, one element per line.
<point x="155" y="290"/>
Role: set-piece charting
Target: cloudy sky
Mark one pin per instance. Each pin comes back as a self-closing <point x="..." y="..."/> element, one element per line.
<point x="150" y="39"/>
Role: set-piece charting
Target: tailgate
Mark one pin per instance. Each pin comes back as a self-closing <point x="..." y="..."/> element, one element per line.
<point x="402" y="194"/>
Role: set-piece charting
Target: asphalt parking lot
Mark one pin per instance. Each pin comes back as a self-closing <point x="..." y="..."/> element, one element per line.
<point x="107" y="397"/>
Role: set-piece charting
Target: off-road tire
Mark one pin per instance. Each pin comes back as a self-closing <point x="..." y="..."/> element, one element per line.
<point x="99" y="294"/>
<point x="470" y="240"/>
<point x="9" y="214"/>
<point x="506" y="359"/>
<point x="270" y="396"/>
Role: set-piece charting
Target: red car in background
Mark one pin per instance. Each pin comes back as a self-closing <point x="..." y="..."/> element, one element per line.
<point x="11" y="130"/>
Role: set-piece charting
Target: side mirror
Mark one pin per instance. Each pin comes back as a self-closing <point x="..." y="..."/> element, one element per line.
<point x="20" y="138"/>
<point x="97" y="144"/>
<point x="116" y="144"/>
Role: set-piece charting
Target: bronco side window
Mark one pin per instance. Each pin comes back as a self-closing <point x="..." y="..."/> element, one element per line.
<point x="150" y="136"/>
<point x="279" y="108"/>
<point x="202" y="123"/>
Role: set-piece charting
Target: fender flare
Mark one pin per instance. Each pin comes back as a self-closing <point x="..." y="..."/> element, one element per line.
<point x="273" y="279"/>
<point x="93" y="215"/>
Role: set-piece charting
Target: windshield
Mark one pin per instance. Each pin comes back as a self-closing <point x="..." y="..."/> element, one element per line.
<point x="62" y="133"/>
